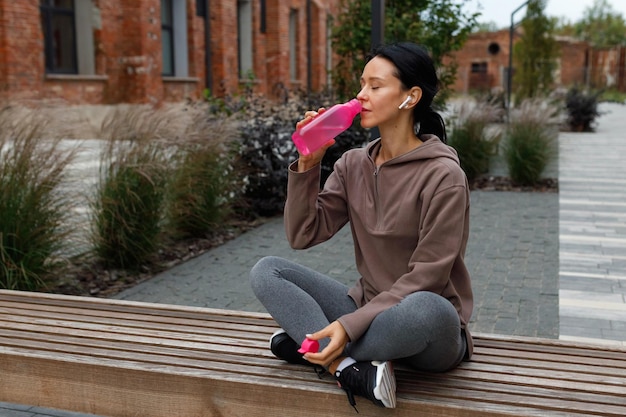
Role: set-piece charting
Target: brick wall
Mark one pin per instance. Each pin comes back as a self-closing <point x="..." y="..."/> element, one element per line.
<point x="578" y="63"/>
<point x="572" y="63"/>
<point x="608" y="68"/>
<point x="128" y="57"/>
<point x="491" y="49"/>
<point x="21" y="50"/>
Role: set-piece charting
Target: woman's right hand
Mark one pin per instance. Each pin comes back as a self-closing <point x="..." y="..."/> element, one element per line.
<point x="306" y="162"/>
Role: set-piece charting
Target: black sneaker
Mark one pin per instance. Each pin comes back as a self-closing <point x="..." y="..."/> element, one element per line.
<point x="285" y="348"/>
<point x="373" y="380"/>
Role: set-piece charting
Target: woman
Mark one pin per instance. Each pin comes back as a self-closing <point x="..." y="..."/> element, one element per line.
<point x="407" y="201"/>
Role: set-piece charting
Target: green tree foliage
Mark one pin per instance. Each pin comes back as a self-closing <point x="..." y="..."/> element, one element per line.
<point x="535" y="54"/>
<point x="490" y="26"/>
<point x="440" y="25"/>
<point x="601" y="25"/>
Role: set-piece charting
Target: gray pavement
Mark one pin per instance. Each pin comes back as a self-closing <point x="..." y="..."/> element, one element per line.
<point x="514" y="255"/>
<point x="592" y="235"/>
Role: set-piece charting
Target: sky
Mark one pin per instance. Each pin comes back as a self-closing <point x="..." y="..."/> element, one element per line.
<point x="499" y="11"/>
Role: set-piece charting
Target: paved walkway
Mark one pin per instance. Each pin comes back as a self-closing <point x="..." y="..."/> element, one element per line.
<point x="512" y="256"/>
<point x="543" y="264"/>
<point x="592" y="231"/>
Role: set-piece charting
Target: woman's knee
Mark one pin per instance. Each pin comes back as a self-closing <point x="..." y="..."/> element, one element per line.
<point x="435" y="311"/>
<point x="263" y="269"/>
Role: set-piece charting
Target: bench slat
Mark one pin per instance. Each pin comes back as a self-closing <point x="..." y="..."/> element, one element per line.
<point x="546" y="361"/>
<point x="491" y="388"/>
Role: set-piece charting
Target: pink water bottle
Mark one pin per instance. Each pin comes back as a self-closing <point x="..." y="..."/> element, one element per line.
<point x="325" y="127"/>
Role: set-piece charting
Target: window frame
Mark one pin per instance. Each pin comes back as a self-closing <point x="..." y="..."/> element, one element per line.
<point x="48" y="11"/>
<point x="294" y="44"/>
<point x="479" y="67"/>
<point x="245" y="39"/>
<point x="169" y="28"/>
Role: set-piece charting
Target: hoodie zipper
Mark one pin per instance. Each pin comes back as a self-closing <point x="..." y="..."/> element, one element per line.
<point x="376" y="197"/>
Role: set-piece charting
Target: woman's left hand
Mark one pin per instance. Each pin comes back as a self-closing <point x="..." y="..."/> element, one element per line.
<point x="338" y="341"/>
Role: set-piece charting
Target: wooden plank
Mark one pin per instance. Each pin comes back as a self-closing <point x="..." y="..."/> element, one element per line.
<point x="137" y="307"/>
<point x="97" y="389"/>
<point x="551" y="346"/>
<point x="208" y="325"/>
<point x="543" y="361"/>
<point x="412" y="382"/>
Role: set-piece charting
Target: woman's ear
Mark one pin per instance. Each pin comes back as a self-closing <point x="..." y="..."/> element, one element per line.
<point x="416" y="94"/>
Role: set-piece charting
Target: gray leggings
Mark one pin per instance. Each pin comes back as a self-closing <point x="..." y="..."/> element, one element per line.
<point x="423" y="330"/>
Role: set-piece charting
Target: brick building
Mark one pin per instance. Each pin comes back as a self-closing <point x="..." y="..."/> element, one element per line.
<point x="484" y="60"/>
<point x="151" y="51"/>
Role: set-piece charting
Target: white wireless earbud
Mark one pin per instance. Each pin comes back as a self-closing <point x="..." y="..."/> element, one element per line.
<point x="404" y="103"/>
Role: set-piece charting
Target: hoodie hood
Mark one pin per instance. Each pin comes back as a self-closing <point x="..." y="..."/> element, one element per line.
<point x="432" y="147"/>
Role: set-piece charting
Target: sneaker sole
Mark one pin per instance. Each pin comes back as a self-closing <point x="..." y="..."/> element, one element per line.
<point x="276" y="333"/>
<point x="385" y="390"/>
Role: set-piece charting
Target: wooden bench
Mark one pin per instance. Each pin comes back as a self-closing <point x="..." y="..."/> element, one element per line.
<point x="119" y="358"/>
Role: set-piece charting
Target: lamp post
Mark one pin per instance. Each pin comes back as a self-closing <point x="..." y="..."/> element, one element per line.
<point x="378" y="37"/>
<point x="378" y="22"/>
<point x="510" y="70"/>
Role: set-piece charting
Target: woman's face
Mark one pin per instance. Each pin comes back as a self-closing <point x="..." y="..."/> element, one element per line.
<point x="381" y="93"/>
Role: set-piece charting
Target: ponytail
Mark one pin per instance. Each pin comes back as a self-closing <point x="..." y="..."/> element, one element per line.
<point x="431" y="122"/>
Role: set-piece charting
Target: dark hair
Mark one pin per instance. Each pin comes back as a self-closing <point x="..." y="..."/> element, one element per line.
<point x="415" y="68"/>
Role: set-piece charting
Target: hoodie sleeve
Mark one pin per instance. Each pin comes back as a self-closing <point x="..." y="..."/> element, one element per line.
<point x="431" y="266"/>
<point x="311" y="216"/>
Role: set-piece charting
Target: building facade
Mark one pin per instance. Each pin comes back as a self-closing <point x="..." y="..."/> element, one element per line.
<point x="483" y="64"/>
<point x="154" y="51"/>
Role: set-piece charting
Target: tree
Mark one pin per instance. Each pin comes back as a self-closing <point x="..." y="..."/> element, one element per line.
<point x="440" y="25"/>
<point x="536" y="54"/>
<point x="601" y="25"/>
<point x="490" y="26"/>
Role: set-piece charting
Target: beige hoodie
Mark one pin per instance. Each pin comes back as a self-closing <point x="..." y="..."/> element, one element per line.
<point x="409" y="219"/>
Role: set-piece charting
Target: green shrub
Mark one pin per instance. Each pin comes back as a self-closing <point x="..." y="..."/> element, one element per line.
<point x="472" y="139"/>
<point x="267" y="149"/>
<point x="33" y="210"/>
<point x="204" y="178"/>
<point x="582" y="109"/>
<point x="613" y="96"/>
<point x="529" y="145"/>
<point x="127" y="208"/>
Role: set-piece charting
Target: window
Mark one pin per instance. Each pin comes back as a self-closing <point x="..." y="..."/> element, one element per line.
<point x="244" y="30"/>
<point x="67" y="27"/>
<point x="174" y="38"/>
<point x="57" y="20"/>
<point x="293" y="44"/>
<point x="479" y="67"/>
<point x="167" y="37"/>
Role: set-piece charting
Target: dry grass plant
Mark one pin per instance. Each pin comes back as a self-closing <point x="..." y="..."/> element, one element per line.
<point x="127" y="207"/>
<point x="204" y="180"/>
<point x="471" y="135"/>
<point x="530" y="144"/>
<point x="35" y="212"/>
<point x="166" y="174"/>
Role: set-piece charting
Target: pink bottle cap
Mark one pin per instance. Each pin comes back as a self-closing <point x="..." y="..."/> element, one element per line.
<point x="309" y="345"/>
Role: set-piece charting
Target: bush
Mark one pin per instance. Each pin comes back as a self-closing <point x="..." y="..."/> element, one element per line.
<point x="127" y="208"/>
<point x="613" y="96"/>
<point x="34" y="212"/>
<point x="265" y="153"/>
<point x="530" y="135"/>
<point x="582" y="109"/>
<point x="267" y="149"/>
<point x="204" y="178"/>
<point x="471" y="138"/>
